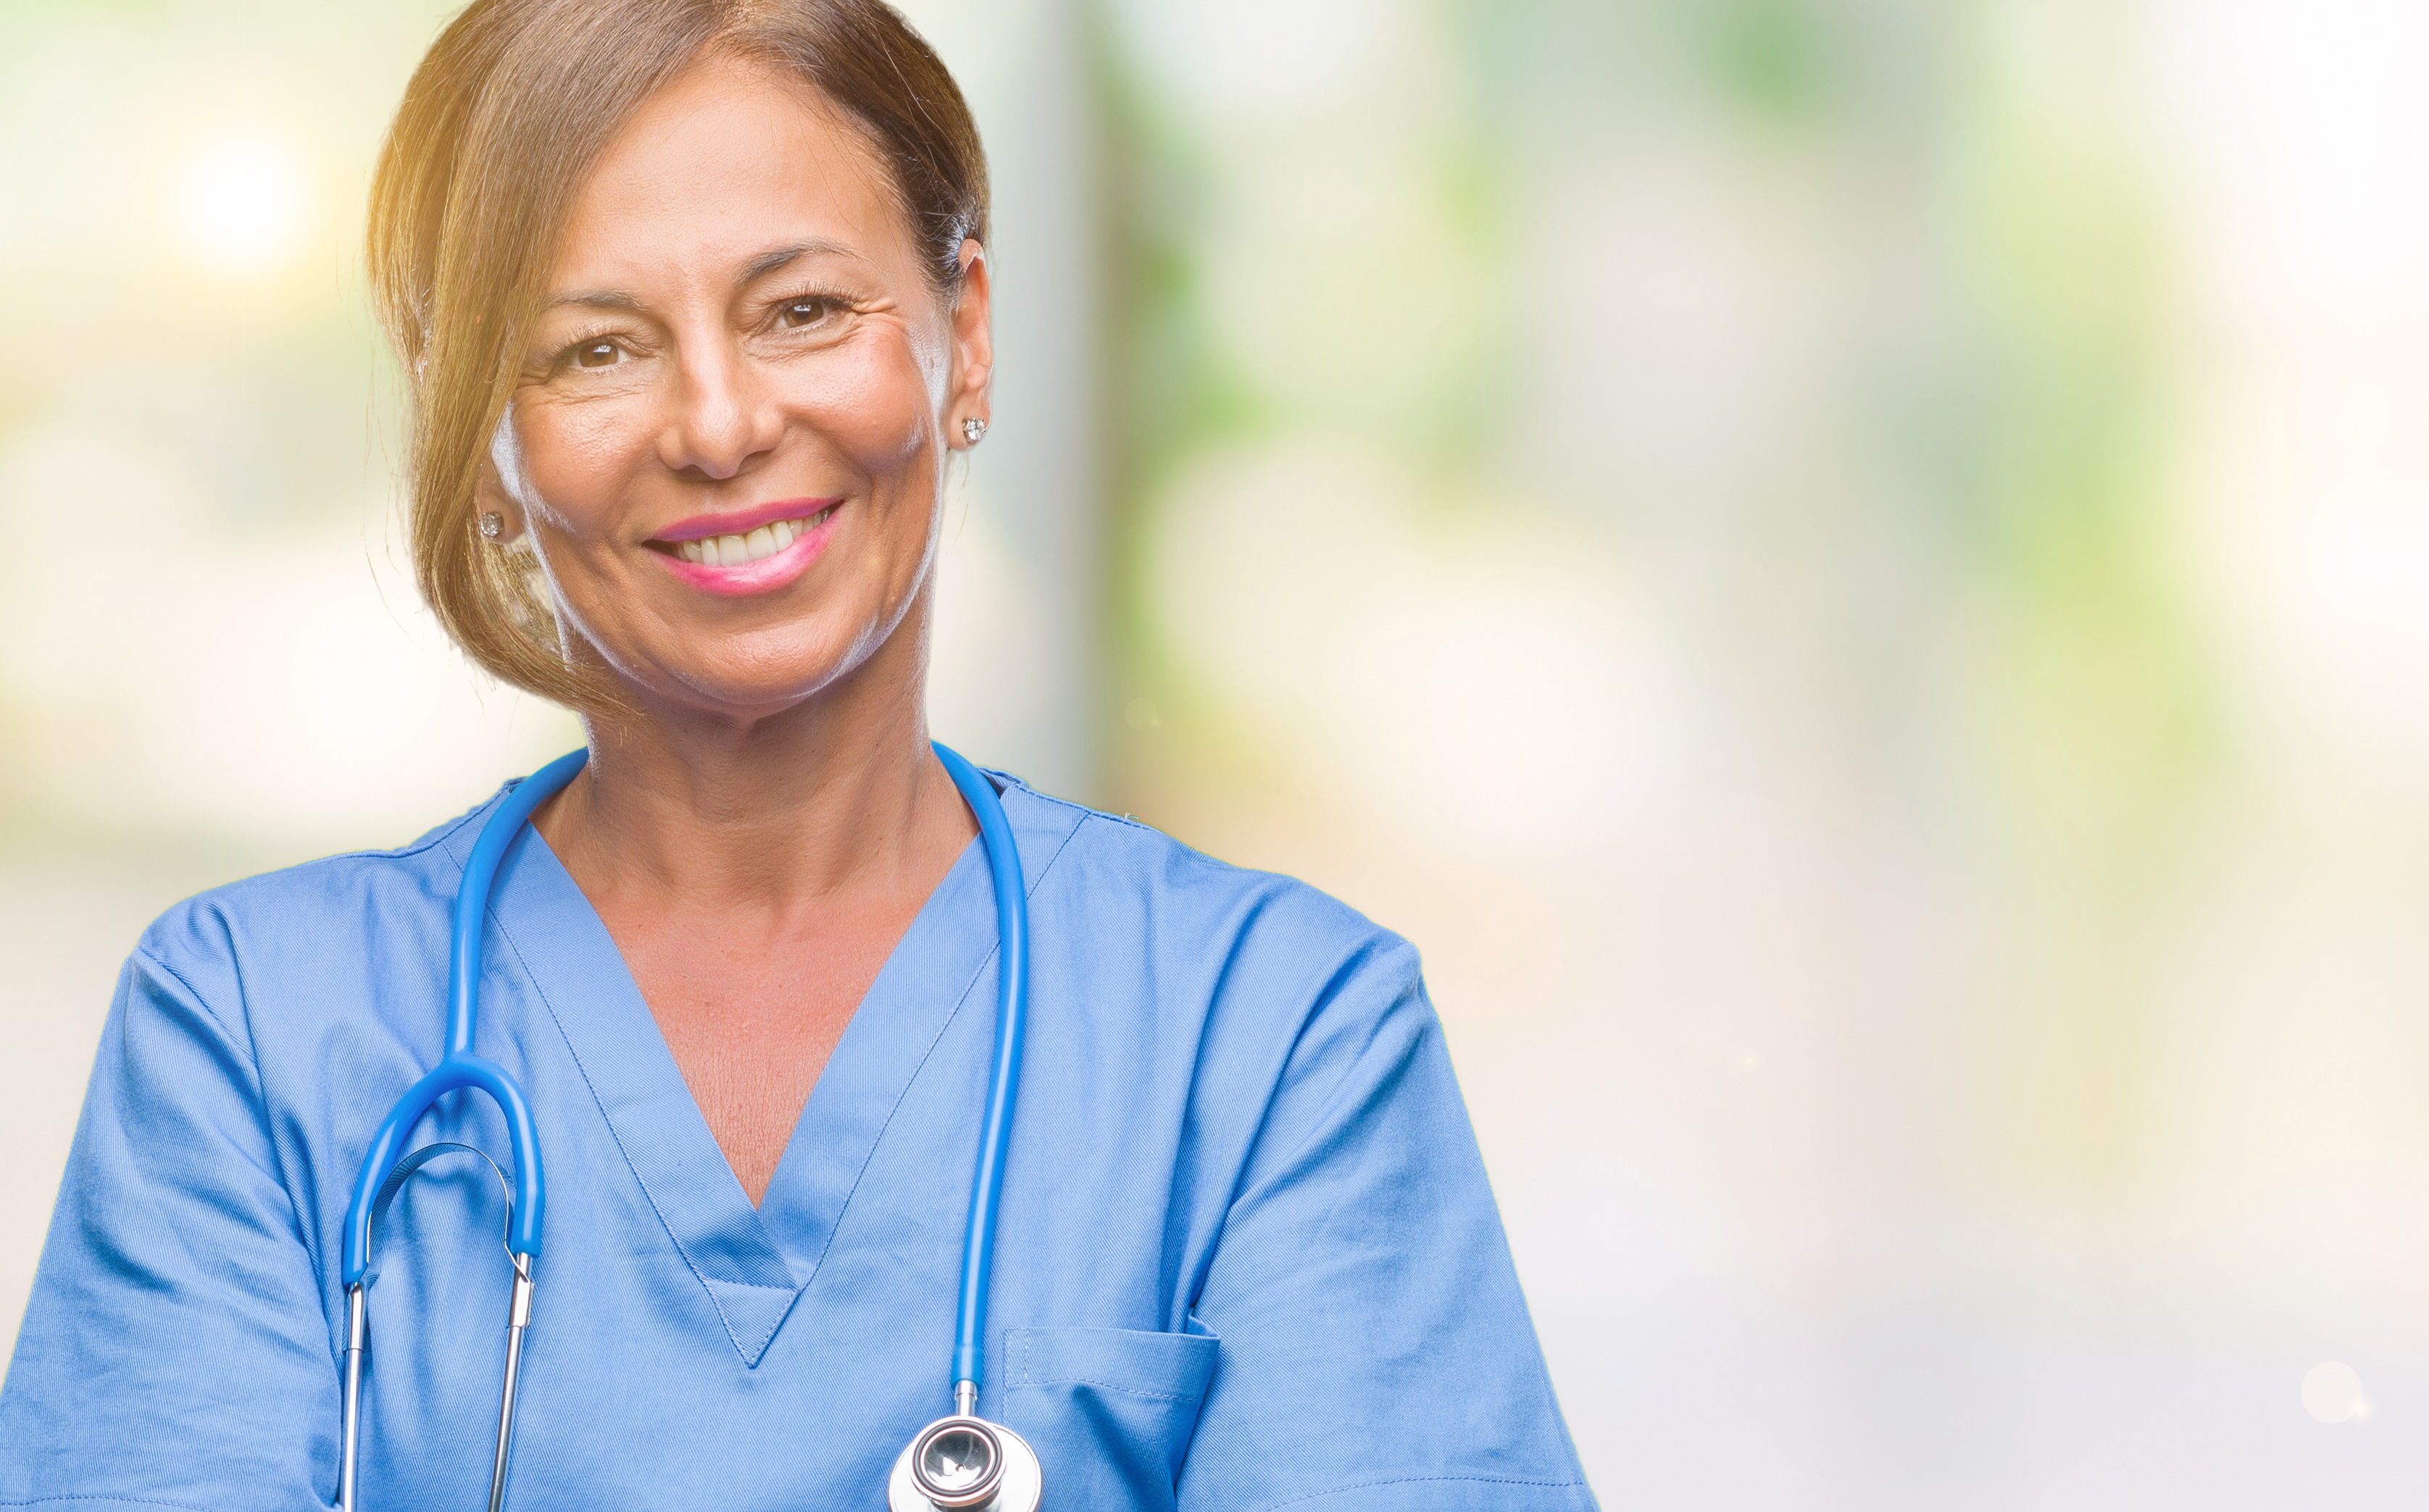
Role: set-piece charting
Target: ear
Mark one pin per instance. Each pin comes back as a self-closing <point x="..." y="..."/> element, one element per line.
<point x="968" y="387"/>
<point x="489" y="498"/>
<point x="490" y="495"/>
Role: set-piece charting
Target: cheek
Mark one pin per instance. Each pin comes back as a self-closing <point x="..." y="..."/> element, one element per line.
<point x="577" y="457"/>
<point x="871" y="407"/>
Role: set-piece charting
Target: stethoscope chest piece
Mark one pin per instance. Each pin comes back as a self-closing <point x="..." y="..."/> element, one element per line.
<point x="964" y="1464"/>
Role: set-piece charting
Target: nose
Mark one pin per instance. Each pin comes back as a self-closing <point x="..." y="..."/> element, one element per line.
<point x="721" y="414"/>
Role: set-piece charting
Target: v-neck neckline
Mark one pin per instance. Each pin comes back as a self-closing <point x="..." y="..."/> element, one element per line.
<point x="756" y="1262"/>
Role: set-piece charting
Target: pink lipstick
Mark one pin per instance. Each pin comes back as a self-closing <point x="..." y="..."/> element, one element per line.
<point x="748" y="551"/>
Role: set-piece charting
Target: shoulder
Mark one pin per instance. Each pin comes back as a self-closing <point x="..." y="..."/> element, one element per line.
<point x="216" y="944"/>
<point x="1124" y="887"/>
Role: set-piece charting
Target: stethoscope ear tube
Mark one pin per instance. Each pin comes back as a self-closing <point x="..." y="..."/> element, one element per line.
<point x="459" y="1068"/>
<point x="385" y="1165"/>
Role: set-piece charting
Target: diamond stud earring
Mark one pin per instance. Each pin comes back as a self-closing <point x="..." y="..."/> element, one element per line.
<point x="973" y="430"/>
<point x="492" y="526"/>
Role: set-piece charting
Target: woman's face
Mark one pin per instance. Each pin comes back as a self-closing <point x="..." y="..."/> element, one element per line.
<point x="728" y="439"/>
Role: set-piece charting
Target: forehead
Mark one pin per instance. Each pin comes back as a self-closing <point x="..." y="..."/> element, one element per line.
<point x="725" y="162"/>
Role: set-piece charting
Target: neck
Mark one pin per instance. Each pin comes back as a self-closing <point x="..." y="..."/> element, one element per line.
<point x="834" y="796"/>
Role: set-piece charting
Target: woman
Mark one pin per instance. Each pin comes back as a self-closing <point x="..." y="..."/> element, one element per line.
<point x="695" y="298"/>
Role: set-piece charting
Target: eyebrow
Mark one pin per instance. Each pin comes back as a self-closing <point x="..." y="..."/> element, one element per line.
<point x="599" y="299"/>
<point x="768" y="262"/>
<point x="753" y="270"/>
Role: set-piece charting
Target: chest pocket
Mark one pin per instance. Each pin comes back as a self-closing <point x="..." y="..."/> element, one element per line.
<point x="1110" y="1411"/>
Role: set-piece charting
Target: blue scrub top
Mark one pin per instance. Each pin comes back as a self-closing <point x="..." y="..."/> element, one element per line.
<point x="1248" y="1257"/>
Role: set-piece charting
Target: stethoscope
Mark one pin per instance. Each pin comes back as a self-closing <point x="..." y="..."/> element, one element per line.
<point x="959" y="1463"/>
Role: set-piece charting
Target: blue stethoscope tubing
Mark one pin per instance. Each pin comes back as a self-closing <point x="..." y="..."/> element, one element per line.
<point x="1003" y="1082"/>
<point x="387" y="1163"/>
<point x="460" y="1067"/>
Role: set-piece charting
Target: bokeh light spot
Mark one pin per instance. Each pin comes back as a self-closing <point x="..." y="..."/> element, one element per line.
<point x="2332" y="1393"/>
<point x="241" y="202"/>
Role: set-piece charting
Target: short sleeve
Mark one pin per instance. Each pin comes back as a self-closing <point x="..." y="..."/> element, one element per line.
<point x="176" y="1351"/>
<point x="1375" y="1351"/>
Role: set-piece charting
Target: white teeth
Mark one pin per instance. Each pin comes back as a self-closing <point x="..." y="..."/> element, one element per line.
<point x="756" y="545"/>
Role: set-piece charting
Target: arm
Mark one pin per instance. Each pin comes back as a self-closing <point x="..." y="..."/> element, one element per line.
<point x="175" y="1351"/>
<point x="1376" y="1352"/>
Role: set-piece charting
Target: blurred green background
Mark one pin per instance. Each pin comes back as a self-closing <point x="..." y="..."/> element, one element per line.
<point x="1855" y="573"/>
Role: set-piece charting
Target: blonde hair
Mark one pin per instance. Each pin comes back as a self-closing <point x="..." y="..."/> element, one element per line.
<point x="499" y="128"/>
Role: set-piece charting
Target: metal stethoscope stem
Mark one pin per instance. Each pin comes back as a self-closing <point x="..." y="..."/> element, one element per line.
<point x="518" y="1319"/>
<point x="358" y="1322"/>
<point x="358" y="1336"/>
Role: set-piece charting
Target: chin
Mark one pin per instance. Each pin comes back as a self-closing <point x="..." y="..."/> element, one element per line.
<point x="753" y="674"/>
<point x="760" y="687"/>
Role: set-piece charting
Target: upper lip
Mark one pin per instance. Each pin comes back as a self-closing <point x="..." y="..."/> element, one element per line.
<point x="741" y="522"/>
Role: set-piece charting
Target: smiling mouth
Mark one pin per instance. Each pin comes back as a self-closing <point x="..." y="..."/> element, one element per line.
<point x="749" y="546"/>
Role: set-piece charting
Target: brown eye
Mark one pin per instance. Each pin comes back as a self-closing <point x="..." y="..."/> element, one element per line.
<point x="807" y="311"/>
<point x="595" y="355"/>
